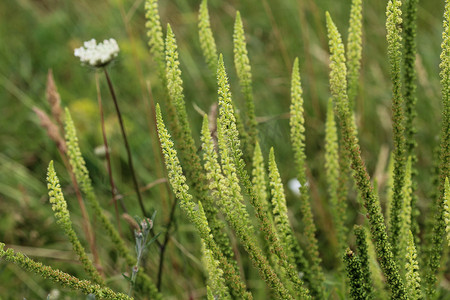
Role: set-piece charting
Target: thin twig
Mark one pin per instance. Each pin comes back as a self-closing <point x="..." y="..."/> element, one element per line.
<point x="127" y="146"/>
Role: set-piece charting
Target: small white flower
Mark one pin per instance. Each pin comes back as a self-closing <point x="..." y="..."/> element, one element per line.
<point x="97" y="55"/>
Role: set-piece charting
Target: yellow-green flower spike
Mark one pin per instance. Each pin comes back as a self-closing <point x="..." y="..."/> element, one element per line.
<point x="412" y="276"/>
<point x="389" y="190"/>
<point x="196" y="216"/>
<point x="338" y="87"/>
<point x="59" y="277"/>
<point x="186" y="144"/>
<point x="243" y="70"/>
<point x="447" y="209"/>
<point x="393" y="23"/>
<point x="227" y="127"/>
<point x="297" y="122"/>
<point x="216" y="283"/>
<point x="78" y="165"/>
<point x="62" y="216"/>
<point x="410" y="99"/>
<point x="175" y="84"/>
<point x="379" y="282"/>
<point x="363" y="254"/>
<point x="209" y="294"/>
<point x="355" y="275"/>
<point x="354" y="50"/>
<point x="437" y="247"/>
<point x="280" y="210"/>
<point x="338" y="208"/>
<point x="405" y="216"/>
<point x="82" y="176"/>
<point x="232" y="203"/>
<point x="154" y="33"/>
<point x="207" y="42"/>
<point x="259" y="178"/>
<point x="281" y="219"/>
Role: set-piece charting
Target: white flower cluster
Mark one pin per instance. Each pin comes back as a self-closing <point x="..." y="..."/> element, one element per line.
<point x="97" y="55"/>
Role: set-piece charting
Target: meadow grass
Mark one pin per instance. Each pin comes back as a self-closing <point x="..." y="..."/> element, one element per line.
<point x="274" y="63"/>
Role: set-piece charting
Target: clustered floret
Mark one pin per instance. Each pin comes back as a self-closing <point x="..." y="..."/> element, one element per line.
<point x="98" y="55"/>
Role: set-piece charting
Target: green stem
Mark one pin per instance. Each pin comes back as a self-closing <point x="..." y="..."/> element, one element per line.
<point x="127" y="146"/>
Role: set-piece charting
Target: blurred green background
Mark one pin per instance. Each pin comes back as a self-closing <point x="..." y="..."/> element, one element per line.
<point x="38" y="35"/>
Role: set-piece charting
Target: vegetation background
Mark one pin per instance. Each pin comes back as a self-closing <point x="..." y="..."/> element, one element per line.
<point x="37" y="35"/>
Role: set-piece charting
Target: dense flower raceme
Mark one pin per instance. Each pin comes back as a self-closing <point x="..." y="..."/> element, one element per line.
<point x="98" y="55"/>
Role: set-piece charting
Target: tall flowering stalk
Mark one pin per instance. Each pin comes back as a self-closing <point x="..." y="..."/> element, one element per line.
<point x="196" y="214"/>
<point x="243" y="69"/>
<point x="297" y="122"/>
<point x="338" y="207"/>
<point x="355" y="275"/>
<point x="99" y="56"/>
<point x="354" y="50"/>
<point x="82" y="177"/>
<point x="206" y="36"/>
<point x="186" y="144"/>
<point x="59" y="277"/>
<point x="155" y="34"/>
<point x="62" y="216"/>
<point x="447" y="209"/>
<point x="393" y="23"/>
<point x="436" y="247"/>
<point x="410" y="98"/>
<point x="281" y="219"/>
<point x="412" y="276"/>
<point x="363" y="254"/>
<point x="216" y="282"/>
<point x="227" y="121"/>
<point x="405" y="216"/>
<point x="338" y="85"/>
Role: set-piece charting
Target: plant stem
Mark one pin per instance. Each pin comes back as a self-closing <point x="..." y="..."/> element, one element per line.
<point x="124" y="135"/>
<point x="108" y="157"/>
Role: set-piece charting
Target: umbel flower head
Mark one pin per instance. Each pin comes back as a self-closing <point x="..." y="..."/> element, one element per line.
<point x="97" y="55"/>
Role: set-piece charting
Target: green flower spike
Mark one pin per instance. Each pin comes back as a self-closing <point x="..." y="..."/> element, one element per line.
<point x="297" y="122"/>
<point x="437" y="247"/>
<point x="82" y="176"/>
<point x="280" y="212"/>
<point x="412" y="270"/>
<point x="363" y="254"/>
<point x="355" y="275"/>
<point x="186" y="144"/>
<point x="59" y="277"/>
<point x="62" y="216"/>
<point x="216" y="283"/>
<point x="338" y="85"/>
<point x="78" y="165"/>
<point x="207" y="42"/>
<point x="405" y="216"/>
<point x="354" y="49"/>
<point x="195" y="215"/>
<point x="155" y="34"/>
<point x="447" y="209"/>
<point x="338" y="208"/>
<point x="259" y="178"/>
<point x="409" y="80"/>
<point x="228" y="194"/>
<point x="243" y="69"/>
<point x="227" y="121"/>
<point x="393" y="23"/>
